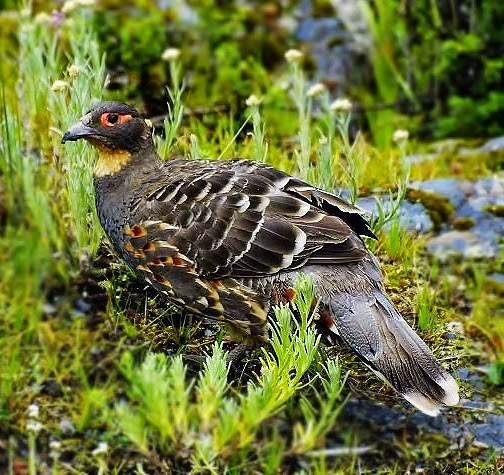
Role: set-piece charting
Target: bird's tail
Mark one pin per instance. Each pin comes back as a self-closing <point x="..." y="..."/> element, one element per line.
<point x="372" y="327"/>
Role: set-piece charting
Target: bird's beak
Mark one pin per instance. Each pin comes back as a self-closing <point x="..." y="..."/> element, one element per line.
<point x="76" y="132"/>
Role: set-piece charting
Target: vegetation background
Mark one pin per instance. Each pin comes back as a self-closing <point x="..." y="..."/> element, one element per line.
<point x="99" y="375"/>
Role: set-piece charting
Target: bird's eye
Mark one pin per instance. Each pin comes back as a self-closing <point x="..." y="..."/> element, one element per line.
<point x="109" y="119"/>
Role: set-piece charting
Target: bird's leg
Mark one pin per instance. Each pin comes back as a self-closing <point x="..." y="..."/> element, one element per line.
<point x="239" y="351"/>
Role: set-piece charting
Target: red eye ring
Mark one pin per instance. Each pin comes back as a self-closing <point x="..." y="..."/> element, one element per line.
<point x="111" y="119"/>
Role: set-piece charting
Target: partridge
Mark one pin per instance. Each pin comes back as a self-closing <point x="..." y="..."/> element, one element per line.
<point x="225" y="240"/>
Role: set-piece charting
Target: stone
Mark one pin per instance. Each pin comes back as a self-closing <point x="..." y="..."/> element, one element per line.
<point x="465" y="244"/>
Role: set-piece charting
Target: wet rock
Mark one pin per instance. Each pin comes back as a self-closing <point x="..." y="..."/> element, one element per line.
<point x="493" y="145"/>
<point x="415" y="158"/>
<point x="491" y="432"/>
<point x="460" y="243"/>
<point x="466" y="217"/>
<point x="335" y="38"/>
<point x="452" y="189"/>
<point x="496" y="279"/>
<point x="480" y="425"/>
<point x="412" y="216"/>
<point x="492" y="185"/>
<point x="466" y="214"/>
<point x="439" y="207"/>
<point x="66" y="427"/>
<point x="51" y="388"/>
<point x="82" y="306"/>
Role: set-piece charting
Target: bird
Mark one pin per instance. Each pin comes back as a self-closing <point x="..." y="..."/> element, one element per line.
<point x="226" y="239"/>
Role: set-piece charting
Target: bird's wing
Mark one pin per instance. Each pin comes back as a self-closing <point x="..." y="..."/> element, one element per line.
<point x="152" y="251"/>
<point x="242" y="219"/>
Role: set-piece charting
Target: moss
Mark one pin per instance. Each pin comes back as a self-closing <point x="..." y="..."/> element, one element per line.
<point x="459" y="159"/>
<point x="269" y="45"/>
<point x="322" y="9"/>
<point x="497" y="210"/>
<point x="439" y="207"/>
<point x="461" y="224"/>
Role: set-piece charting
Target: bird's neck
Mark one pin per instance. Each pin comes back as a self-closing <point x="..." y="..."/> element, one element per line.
<point x="116" y="175"/>
<point x="110" y="161"/>
<point x="120" y="169"/>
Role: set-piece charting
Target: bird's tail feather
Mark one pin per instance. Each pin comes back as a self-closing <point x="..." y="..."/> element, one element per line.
<point x="371" y="326"/>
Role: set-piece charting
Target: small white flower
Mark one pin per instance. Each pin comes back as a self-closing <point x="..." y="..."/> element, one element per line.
<point x="59" y="86"/>
<point x="55" y="446"/>
<point x="455" y="327"/>
<point x="284" y="85"/>
<point x="400" y="136"/>
<point x="42" y="18"/>
<point x="293" y="55"/>
<point x="69" y="6"/>
<point x="33" y="411"/>
<point x="33" y="426"/>
<point x="170" y="54"/>
<point x="101" y="449"/>
<point x="74" y="71"/>
<point x="341" y="105"/>
<point x="253" y="101"/>
<point x="315" y="89"/>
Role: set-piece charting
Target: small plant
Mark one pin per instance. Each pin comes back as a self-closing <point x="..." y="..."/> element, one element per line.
<point x="175" y="114"/>
<point x="390" y="213"/>
<point x="204" y="418"/>
<point x="303" y="104"/>
<point x="425" y="308"/>
<point x="258" y="129"/>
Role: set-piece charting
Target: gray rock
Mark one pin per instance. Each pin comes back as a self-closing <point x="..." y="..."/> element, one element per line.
<point x="493" y="185"/>
<point x="451" y="188"/>
<point x="471" y="200"/>
<point x="497" y="277"/>
<point x="335" y="42"/>
<point x="412" y="216"/>
<point x="466" y="244"/>
<point x="421" y="157"/>
<point x="487" y="431"/>
<point x="66" y="426"/>
<point x="493" y="145"/>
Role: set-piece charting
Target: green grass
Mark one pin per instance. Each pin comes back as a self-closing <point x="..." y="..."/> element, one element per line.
<point x="213" y="426"/>
<point x="121" y="383"/>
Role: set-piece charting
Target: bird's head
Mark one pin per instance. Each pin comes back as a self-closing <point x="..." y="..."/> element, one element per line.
<point x="117" y="130"/>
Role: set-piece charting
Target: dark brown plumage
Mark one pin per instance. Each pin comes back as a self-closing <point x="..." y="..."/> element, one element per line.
<point x="225" y="240"/>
